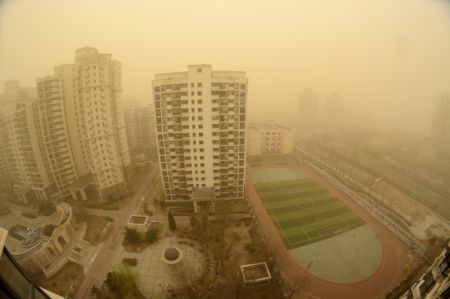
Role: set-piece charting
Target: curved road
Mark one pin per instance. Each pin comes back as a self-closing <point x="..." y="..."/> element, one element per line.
<point x="103" y="261"/>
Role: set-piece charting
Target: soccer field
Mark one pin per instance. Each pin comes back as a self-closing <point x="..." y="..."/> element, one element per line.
<point x="305" y="212"/>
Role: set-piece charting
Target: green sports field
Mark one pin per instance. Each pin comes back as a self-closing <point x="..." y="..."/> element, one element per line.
<point x="304" y="211"/>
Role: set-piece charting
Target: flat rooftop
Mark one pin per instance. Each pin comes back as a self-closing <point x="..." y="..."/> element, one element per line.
<point x="137" y="219"/>
<point x="254" y="273"/>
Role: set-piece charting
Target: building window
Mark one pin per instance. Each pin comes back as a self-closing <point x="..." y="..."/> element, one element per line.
<point x="199" y="84"/>
<point x="199" y="70"/>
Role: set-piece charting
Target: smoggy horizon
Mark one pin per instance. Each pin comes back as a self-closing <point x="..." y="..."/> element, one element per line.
<point x="387" y="61"/>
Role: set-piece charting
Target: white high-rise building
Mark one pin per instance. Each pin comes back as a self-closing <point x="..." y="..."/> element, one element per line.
<point x="82" y="116"/>
<point x="55" y="138"/>
<point x="68" y="138"/>
<point x="22" y="144"/>
<point x="200" y="117"/>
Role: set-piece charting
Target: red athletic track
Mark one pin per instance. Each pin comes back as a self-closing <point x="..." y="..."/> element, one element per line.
<point x="389" y="273"/>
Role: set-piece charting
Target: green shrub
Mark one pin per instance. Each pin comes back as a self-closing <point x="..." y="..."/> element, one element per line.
<point x="132" y="237"/>
<point x="121" y="281"/>
<point x="152" y="235"/>
<point x="172" y="223"/>
<point x="130" y="261"/>
<point x="250" y="247"/>
<point x="46" y="208"/>
<point x="28" y="215"/>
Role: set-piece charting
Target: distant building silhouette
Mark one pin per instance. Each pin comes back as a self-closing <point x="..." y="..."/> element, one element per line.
<point x="140" y="125"/>
<point x="308" y="107"/>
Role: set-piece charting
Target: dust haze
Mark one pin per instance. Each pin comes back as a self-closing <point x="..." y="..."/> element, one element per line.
<point x="387" y="60"/>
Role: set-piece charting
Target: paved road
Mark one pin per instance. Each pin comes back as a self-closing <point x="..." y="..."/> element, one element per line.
<point x="102" y="263"/>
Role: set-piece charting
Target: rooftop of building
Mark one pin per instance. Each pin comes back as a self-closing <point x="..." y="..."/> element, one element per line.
<point x="25" y="237"/>
<point x="137" y="219"/>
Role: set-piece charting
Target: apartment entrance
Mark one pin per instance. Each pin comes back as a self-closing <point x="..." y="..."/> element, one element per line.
<point x="204" y="200"/>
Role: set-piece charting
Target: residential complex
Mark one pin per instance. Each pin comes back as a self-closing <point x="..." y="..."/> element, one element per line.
<point x="70" y="138"/>
<point x="200" y="123"/>
<point x="22" y="148"/>
<point x="269" y="139"/>
<point x="140" y="127"/>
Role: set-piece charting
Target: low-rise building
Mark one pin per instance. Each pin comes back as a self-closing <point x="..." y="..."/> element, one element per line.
<point x="269" y="139"/>
<point x="139" y="223"/>
<point x="46" y="244"/>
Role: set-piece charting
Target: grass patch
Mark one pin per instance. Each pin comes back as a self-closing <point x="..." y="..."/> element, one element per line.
<point x="305" y="212"/>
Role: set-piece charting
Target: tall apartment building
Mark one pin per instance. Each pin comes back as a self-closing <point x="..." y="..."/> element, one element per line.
<point x="81" y="113"/>
<point x="22" y="147"/>
<point x="269" y="139"/>
<point x="200" y="123"/>
<point x="140" y="127"/>
<point x="55" y="137"/>
<point x="307" y="119"/>
<point x="441" y="123"/>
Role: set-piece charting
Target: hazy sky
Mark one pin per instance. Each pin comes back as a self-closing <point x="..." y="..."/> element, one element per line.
<point x="387" y="59"/>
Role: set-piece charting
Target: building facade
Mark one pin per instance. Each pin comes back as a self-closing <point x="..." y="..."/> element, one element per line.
<point x="55" y="137"/>
<point x="140" y="127"/>
<point x="269" y="138"/>
<point x="22" y="147"/>
<point x="200" y="118"/>
<point x="81" y="113"/>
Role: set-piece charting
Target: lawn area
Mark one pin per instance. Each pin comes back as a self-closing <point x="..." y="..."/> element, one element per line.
<point x="305" y="212"/>
<point x="95" y="227"/>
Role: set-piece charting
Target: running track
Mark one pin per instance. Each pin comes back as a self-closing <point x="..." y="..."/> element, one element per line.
<point x="389" y="274"/>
